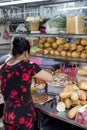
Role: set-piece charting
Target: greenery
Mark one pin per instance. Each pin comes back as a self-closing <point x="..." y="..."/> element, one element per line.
<point x="58" y="23"/>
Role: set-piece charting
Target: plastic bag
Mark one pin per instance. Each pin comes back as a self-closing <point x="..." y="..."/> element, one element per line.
<point x="81" y="116"/>
<point x="21" y="28"/>
<point x="58" y="22"/>
<point x="5" y="34"/>
<point x="71" y="71"/>
<point x="56" y="25"/>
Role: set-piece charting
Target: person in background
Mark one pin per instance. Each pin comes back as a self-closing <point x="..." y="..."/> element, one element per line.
<point x="15" y="81"/>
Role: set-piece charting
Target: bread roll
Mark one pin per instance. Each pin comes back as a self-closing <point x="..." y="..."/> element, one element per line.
<point x="51" y="39"/>
<point x="72" y="112"/>
<point x="69" y="87"/>
<point x="46" y="51"/>
<point x="80" y="48"/>
<point x="85" y="47"/>
<point x="69" y="54"/>
<point x="75" y="54"/>
<point x="83" y="55"/>
<point x="43" y="40"/>
<point x="66" y="94"/>
<point x="41" y="45"/>
<point x="84" y="42"/>
<point x="66" y="46"/>
<point x="73" y="47"/>
<point x="83" y="85"/>
<point x="82" y="95"/>
<point x="78" y="41"/>
<point x="63" y="53"/>
<point x="47" y="44"/>
<point x="52" y="52"/>
<point x="54" y="45"/>
<point x="61" y="41"/>
<point x="49" y="48"/>
<point x="60" y="48"/>
<point x="57" y="53"/>
<point x="68" y="103"/>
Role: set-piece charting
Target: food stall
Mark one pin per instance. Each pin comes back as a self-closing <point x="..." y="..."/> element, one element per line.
<point x="61" y="50"/>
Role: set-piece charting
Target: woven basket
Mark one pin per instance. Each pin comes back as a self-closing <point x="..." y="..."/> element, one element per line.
<point x="34" y="25"/>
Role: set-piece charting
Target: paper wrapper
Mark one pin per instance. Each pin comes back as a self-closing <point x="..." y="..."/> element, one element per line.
<point x="40" y="98"/>
<point x="75" y="25"/>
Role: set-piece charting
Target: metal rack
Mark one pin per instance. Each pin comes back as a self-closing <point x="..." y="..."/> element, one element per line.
<point x="59" y="58"/>
<point x="49" y="35"/>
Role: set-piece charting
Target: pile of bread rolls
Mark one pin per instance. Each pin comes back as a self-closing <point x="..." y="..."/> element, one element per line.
<point x="73" y="105"/>
<point x="81" y="75"/>
<point x="60" y="47"/>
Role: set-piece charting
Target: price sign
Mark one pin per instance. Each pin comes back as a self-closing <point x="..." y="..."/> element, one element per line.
<point x="11" y="13"/>
<point x="69" y="5"/>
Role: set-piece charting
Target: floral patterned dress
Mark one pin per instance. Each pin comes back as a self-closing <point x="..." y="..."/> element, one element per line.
<point x="15" y="86"/>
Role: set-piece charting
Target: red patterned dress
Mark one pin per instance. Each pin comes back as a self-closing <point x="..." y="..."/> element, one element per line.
<point x="15" y="86"/>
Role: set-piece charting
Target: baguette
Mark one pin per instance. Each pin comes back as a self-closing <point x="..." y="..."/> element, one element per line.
<point x="82" y="95"/>
<point x="68" y="87"/>
<point x="68" y="103"/>
<point x="66" y="94"/>
<point x="83" y="85"/>
<point x="82" y="72"/>
<point x="72" y="112"/>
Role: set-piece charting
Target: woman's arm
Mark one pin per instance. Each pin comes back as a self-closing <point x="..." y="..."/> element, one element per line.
<point x="44" y="75"/>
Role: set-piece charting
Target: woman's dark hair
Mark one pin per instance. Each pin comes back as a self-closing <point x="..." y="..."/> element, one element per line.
<point x="20" y="45"/>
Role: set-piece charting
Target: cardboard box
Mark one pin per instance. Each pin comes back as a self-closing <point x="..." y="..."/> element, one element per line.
<point x="75" y="25"/>
<point x="33" y="41"/>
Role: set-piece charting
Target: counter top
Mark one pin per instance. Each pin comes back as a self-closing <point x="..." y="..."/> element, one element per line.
<point x="50" y="109"/>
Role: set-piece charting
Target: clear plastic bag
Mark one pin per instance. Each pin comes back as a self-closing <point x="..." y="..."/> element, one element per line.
<point x="56" y="25"/>
<point x="81" y="116"/>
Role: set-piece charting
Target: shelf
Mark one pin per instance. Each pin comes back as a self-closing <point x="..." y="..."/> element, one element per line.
<point x="13" y="20"/>
<point x="29" y="4"/>
<point x="61" y="35"/>
<point x="50" y="2"/>
<point x="50" y="35"/>
<point x="59" y="58"/>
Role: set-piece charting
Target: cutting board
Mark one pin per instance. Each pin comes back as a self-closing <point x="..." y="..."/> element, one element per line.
<point x="41" y="98"/>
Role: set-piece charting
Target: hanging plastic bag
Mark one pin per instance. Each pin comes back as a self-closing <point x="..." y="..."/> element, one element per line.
<point x="5" y="34"/>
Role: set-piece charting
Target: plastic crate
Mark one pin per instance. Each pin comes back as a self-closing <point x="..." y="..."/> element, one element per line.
<point x="54" y="89"/>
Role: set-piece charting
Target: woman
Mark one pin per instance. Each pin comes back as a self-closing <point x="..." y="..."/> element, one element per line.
<point x="16" y="75"/>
